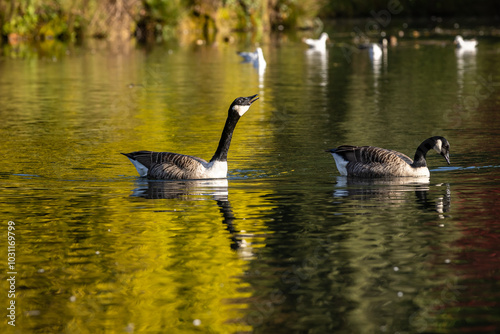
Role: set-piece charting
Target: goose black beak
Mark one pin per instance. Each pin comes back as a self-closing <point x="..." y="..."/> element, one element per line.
<point x="251" y="99"/>
<point x="447" y="157"/>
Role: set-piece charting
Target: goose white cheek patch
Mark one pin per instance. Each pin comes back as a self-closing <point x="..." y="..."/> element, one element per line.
<point x="438" y="145"/>
<point x="241" y="109"/>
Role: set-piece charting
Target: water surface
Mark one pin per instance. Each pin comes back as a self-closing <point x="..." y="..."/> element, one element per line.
<point x="283" y="245"/>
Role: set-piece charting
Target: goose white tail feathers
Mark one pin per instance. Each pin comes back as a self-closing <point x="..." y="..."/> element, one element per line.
<point x="174" y="166"/>
<point x="370" y="161"/>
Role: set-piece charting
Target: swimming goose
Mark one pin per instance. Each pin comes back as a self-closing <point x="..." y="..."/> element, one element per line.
<point x="256" y="58"/>
<point x="370" y="161"/>
<point x="318" y="44"/>
<point x="463" y="44"/>
<point x="174" y="166"/>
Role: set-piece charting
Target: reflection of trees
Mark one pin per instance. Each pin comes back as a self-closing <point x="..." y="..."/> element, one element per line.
<point x="95" y="257"/>
<point x="463" y="299"/>
<point x="342" y="265"/>
<point x="296" y="272"/>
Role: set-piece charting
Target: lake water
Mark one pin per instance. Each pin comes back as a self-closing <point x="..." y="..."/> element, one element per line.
<point x="285" y="244"/>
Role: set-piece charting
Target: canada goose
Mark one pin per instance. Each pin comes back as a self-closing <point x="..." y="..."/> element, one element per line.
<point x="370" y="161"/>
<point x="256" y="58"/>
<point x="463" y="44"/>
<point x="174" y="166"/>
<point x="318" y="44"/>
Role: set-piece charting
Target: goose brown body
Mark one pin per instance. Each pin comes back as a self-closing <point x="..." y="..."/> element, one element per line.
<point x="371" y="161"/>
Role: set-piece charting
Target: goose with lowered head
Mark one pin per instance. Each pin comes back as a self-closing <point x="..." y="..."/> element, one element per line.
<point x="371" y="161"/>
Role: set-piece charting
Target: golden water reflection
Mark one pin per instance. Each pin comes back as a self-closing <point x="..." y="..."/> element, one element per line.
<point x="153" y="257"/>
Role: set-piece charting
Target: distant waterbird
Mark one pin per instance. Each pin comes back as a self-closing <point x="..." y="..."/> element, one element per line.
<point x="465" y="44"/>
<point x="317" y="44"/>
<point x="371" y="161"/>
<point x="375" y="51"/>
<point x="174" y="166"/>
<point x="256" y="58"/>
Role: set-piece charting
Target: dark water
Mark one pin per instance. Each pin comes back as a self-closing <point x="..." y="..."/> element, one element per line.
<point x="283" y="245"/>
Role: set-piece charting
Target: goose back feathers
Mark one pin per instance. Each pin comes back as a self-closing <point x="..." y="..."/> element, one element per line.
<point x="370" y="161"/>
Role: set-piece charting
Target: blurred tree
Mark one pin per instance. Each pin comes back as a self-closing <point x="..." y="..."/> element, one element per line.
<point x="159" y="17"/>
<point x="120" y="19"/>
<point x="113" y="19"/>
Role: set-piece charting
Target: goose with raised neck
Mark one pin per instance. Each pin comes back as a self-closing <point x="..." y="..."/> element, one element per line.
<point x="175" y="166"/>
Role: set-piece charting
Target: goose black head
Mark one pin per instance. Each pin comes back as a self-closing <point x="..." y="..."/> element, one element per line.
<point x="242" y="104"/>
<point x="442" y="147"/>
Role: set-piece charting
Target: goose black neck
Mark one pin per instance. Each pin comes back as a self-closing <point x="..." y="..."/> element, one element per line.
<point x="422" y="149"/>
<point x="225" y="139"/>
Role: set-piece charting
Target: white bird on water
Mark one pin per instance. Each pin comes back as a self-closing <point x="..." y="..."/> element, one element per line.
<point x="256" y="58"/>
<point x="465" y="44"/>
<point x="317" y="44"/>
<point x="375" y="51"/>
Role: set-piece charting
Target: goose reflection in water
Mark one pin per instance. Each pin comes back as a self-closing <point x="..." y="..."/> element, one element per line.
<point x="198" y="190"/>
<point x="258" y="62"/>
<point x="394" y="190"/>
<point x="466" y="67"/>
<point x="317" y="63"/>
<point x="185" y="189"/>
<point x="441" y="204"/>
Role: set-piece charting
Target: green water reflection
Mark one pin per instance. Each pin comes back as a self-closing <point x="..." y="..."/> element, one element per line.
<point x="284" y="245"/>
